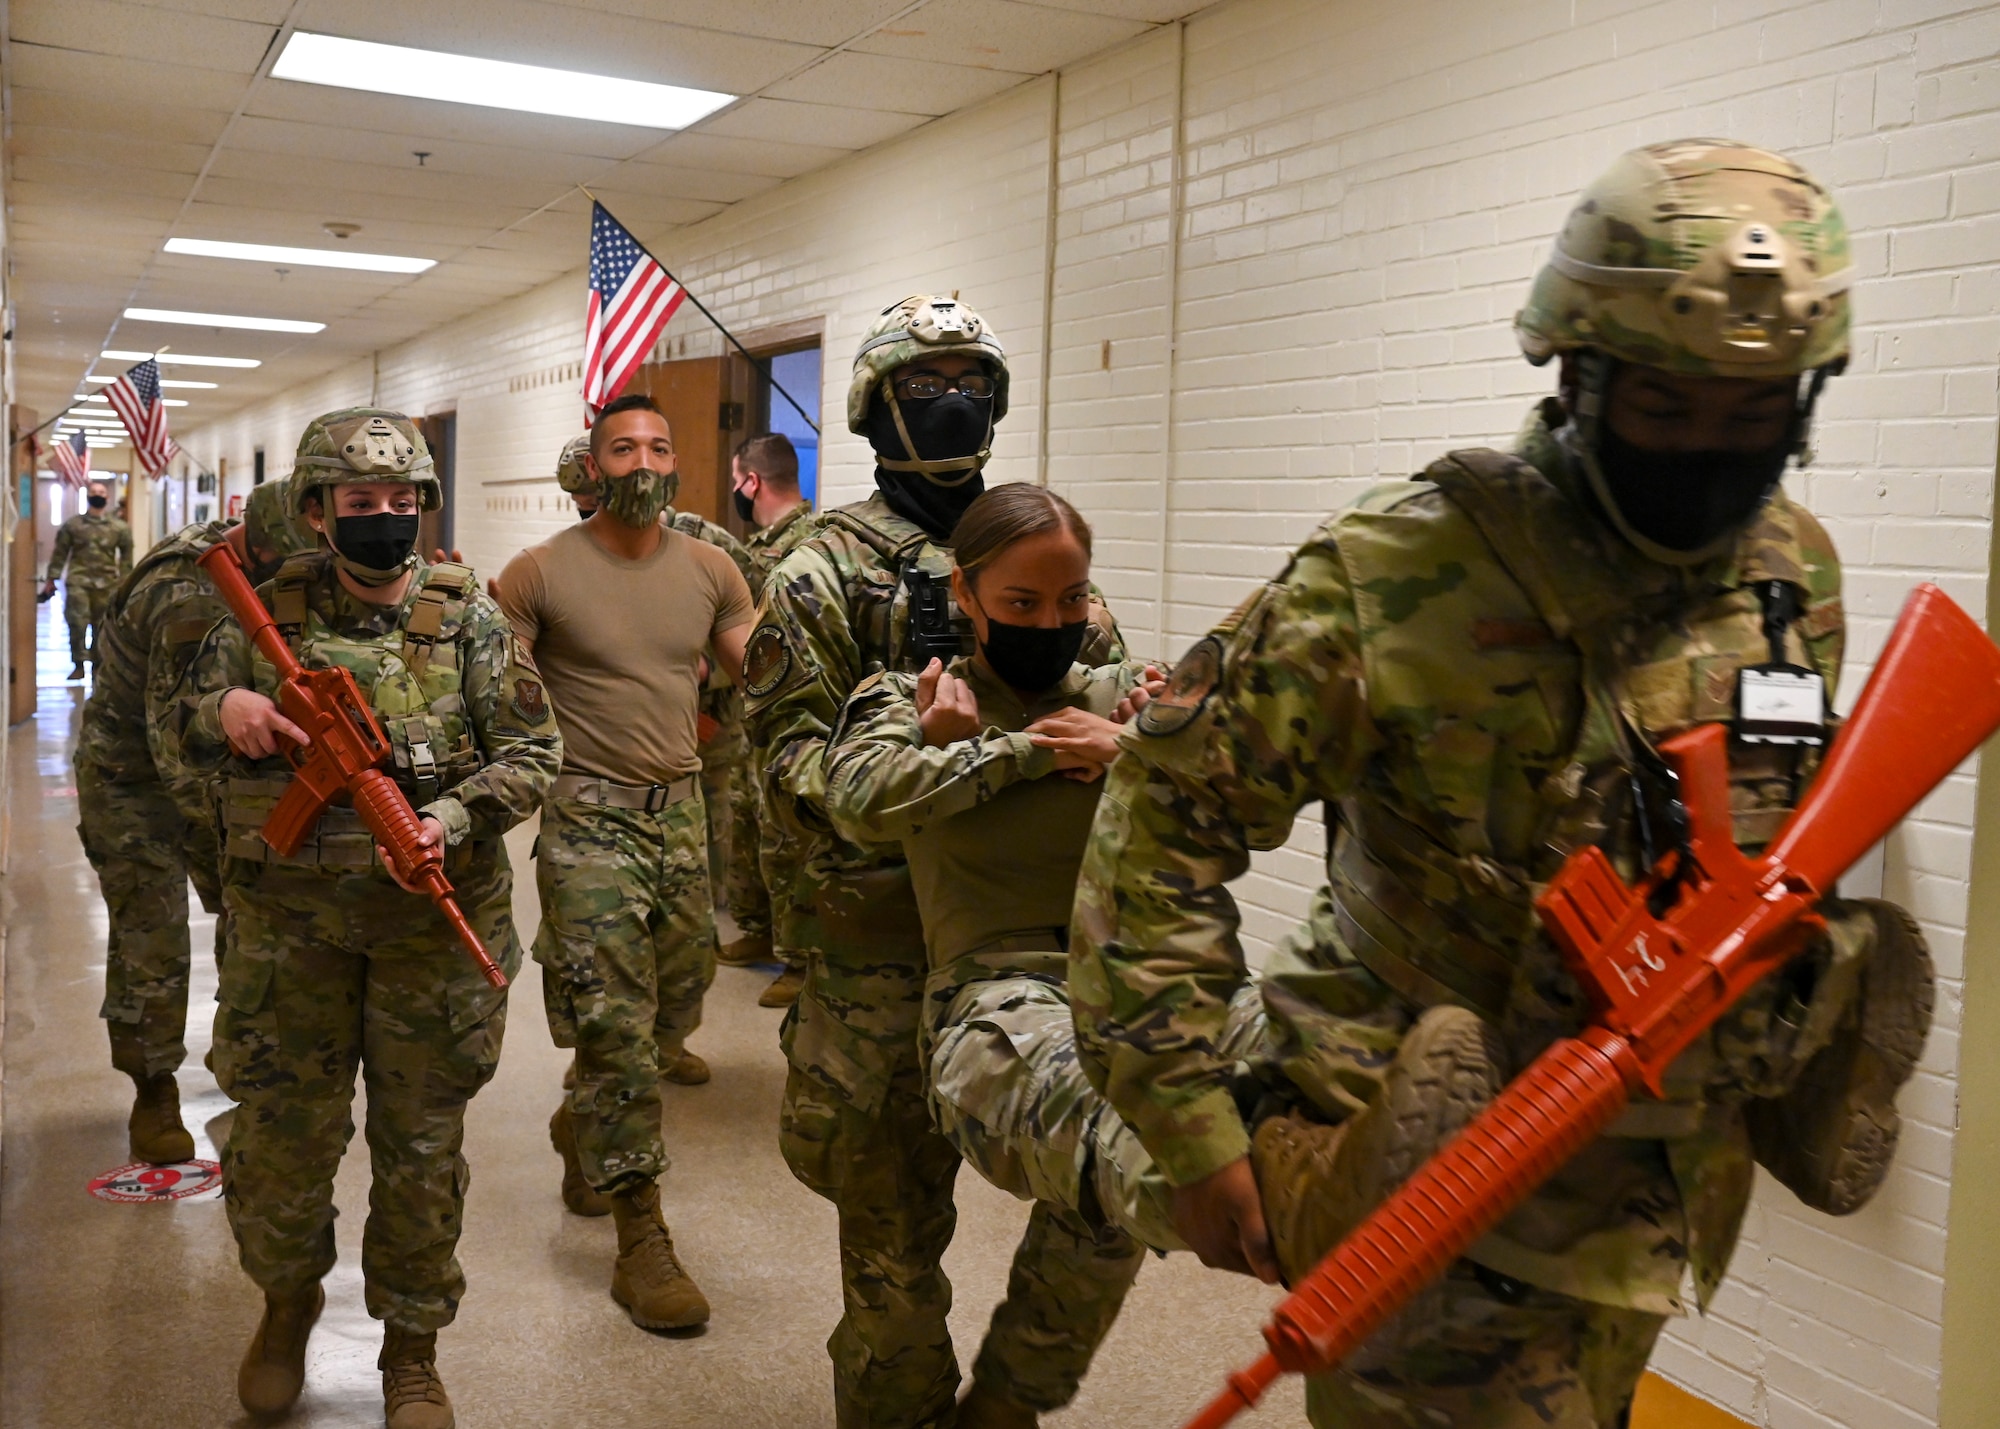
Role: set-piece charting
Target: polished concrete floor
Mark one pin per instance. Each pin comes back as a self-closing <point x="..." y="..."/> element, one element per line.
<point x="114" y="1314"/>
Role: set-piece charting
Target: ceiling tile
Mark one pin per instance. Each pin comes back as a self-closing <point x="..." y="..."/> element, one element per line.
<point x="429" y="120"/>
<point x="821" y="22"/>
<point x="825" y="124"/>
<point x="83" y="146"/>
<point x="999" y="34"/>
<point x="1152" y="12"/>
<point x="118" y="115"/>
<point x="380" y="186"/>
<point x="907" y="85"/>
<point x="699" y="148"/>
<point x="325" y="142"/>
<point x="72" y="72"/>
<point x="675" y="181"/>
<point x="109" y="27"/>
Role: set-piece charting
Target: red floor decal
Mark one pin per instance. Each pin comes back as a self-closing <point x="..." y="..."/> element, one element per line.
<point x="143" y="1181"/>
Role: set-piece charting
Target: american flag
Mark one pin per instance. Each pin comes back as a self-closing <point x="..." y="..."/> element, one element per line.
<point x="631" y="298"/>
<point x="136" y="399"/>
<point x="72" y="460"/>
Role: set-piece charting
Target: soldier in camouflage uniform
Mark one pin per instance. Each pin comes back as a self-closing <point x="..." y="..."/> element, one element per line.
<point x="146" y="831"/>
<point x="869" y="590"/>
<point x="332" y="969"/>
<point x="772" y="909"/>
<point x="1474" y="671"/>
<point x="93" y="551"/>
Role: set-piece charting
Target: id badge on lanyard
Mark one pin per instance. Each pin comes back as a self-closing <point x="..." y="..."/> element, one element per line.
<point x="1778" y="702"/>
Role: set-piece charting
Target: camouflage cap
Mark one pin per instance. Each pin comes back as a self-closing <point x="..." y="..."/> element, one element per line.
<point x="571" y="474"/>
<point x="1699" y="256"/>
<point x="359" y="444"/>
<point x="921" y="326"/>
<point x="269" y="525"/>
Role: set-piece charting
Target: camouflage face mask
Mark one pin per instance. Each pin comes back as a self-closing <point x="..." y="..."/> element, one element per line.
<point x="637" y="498"/>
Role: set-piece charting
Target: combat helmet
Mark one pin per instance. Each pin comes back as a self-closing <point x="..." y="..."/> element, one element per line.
<point x="359" y="444"/>
<point x="571" y="474"/>
<point x="1700" y="256"/>
<point x="923" y="326"/>
<point x="270" y="525"/>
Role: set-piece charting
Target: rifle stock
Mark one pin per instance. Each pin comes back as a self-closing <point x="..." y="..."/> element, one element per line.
<point x="1657" y="981"/>
<point x="344" y="757"/>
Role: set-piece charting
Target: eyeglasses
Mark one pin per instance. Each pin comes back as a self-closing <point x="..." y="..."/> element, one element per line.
<point x="922" y="386"/>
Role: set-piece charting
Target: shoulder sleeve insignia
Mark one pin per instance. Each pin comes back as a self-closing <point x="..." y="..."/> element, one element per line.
<point x="1193" y="681"/>
<point x="531" y="702"/>
<point x="766" y="661"/>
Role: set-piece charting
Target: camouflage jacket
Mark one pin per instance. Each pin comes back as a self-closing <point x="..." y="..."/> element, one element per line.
<point x="1468" y="681"/>
<point x="771" y="544"/>
<point x="92" y="552"/>
<point x="156" y="619"/>
<point x="472" y="732"/>
<point x="836" y="610"/>
<point x="994" y="838"/>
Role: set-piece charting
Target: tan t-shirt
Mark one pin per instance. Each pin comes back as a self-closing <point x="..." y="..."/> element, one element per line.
<point x="617" y="642"/>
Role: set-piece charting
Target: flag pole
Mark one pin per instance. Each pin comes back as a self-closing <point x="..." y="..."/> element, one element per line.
<point x="763" y="368"/>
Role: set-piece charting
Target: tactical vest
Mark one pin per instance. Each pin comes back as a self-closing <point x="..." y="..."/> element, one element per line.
<point x="411" y="677"/>
<point x="901" y="610"/>
<point x="1545" y="739"/>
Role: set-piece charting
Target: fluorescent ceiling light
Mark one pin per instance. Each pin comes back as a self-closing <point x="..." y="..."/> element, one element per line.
<point x="93" y="397"/>
<point x="174" y="315"/>
<point x="305" y="257"/>
<point x="496" y="84"/>
<point x="168" y="359"/>
<point x="164" y="382"/>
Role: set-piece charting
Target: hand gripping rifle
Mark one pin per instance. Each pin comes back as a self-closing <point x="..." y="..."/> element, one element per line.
<point x="344" y="758"/>
<point x="1658" y="980"/>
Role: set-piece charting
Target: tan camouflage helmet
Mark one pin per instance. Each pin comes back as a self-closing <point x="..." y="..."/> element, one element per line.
<point x="921" y="326"/>
<point x="571" y="474"/>
<point x="359" y="444"/>
<point x="1700" y="256"/>
<point x="269" y="526"/>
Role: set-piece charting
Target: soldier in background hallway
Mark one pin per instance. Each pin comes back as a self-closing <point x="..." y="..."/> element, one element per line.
<point x="869" y="590"/>
<point x="1474" y="672"/>
<point x="773" y="909"/>
<point x="93" y="551"/>
<point x="145" y="822"/>
<point x="332" y="969"/>
<point x="618" y="611"/>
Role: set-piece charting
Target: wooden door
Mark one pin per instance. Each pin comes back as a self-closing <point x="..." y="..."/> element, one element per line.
<point x="437" y="531"/>
<point x="706" y="402"/>
<point x="21" y="562"/>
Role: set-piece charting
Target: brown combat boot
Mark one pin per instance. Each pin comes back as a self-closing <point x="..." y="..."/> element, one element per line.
<point x="745" y="949"/>
<point x="155" y="1126"/>
<point x="784" y="991"/>
<point x="578" y="1195"/>
<point x="1319" y="1182"/>
<point x="413" y="1396"/>
<point x="984" y="1408"/>
<point x="683" y="1068"/>
<point x="274" y="1368"/>
<point x="649" y="1280"/>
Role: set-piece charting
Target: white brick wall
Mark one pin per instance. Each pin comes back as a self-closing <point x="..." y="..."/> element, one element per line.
<point x="1365" y="191"/>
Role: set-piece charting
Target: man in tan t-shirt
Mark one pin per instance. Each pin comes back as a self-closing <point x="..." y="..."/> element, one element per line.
<point x="618" y="611"/>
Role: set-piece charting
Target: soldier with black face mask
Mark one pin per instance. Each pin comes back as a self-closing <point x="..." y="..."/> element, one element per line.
<point x="870" y="590"/>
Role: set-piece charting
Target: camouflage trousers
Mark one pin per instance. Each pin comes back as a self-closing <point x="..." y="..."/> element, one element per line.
<point x="1476" y="1351"/>
<point x="889" y="1175"/>
<point x="83" y="612"/>
<point x="627" y="948"/>
<point x="332" y="973"/>
<point x="145" y="851"/>
<point x="1007" y="1091"/>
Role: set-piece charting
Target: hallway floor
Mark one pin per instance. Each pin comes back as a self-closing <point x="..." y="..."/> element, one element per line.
<point x="128" y="1313"/>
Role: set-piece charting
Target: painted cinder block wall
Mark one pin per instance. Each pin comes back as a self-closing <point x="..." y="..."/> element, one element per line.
<point x="1302" y="228"/>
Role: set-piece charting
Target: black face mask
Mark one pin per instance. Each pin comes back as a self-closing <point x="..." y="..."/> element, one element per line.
<point x="1032" y="657"/>
<point x="944" y="429"/>
<point x="97" y="503"/>
<point x="374" y="549"/>
<point x="746" y="509"/>
<point x="1687" y="501"/>
<point x="584" y="513"/>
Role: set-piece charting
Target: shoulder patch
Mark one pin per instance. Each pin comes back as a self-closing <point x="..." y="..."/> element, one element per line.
<point x="766" y="661"/>
<point x="1193" y="681"/>
<point x="530" y="701"/>
<point x="186" y="632"/>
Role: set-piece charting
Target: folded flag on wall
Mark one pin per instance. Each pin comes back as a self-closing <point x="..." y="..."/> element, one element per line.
<point x="136" y="399"/>
<point x="631" y="298"/>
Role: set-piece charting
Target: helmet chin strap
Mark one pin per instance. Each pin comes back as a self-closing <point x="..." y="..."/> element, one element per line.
<point x="1581" y="438"/>
<point x="966" y="467"/>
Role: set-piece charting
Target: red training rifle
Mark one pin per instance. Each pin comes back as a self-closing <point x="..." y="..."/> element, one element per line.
<point x="345" y="757"/>
<point x="1657" y="981"/>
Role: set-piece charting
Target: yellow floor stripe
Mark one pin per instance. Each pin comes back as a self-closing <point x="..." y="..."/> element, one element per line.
<point x="1660" y="1405"/>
